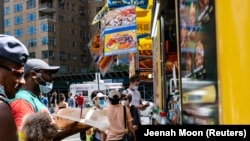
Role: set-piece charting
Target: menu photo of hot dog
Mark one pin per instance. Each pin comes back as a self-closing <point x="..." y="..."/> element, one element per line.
<point x="105" y="63"/>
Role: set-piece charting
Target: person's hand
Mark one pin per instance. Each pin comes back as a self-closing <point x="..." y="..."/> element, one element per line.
<point x="147" y="104"/>
<point x="71" y="129"/>
<point x="125" y="131"/>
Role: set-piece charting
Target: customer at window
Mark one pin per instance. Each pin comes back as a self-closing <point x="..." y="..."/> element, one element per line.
<point x="115" y="114"/>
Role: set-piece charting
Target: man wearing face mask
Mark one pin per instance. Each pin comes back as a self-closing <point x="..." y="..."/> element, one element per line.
<point x="94" y="134"/>
<point x="126" y="101"/>
<point x="38" y="76"/>
<point x="97" y="98"/>
<point x="136" y="95"/>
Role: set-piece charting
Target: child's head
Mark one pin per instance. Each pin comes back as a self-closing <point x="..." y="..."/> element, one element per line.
<point x="39" y="127"/>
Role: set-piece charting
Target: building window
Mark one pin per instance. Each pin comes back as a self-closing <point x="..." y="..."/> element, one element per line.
<point x="48" y="54"/>
<point x="6" y="22"/>
<point x="6" y="10"/>
<point x="69" y="55"/>
<point x="84" y="70"/>
<point x="61" y="3"/>
<point x="31" y="17"/>
<point x="73" y="19"/>
<point x="62" y="56"/>
<point x="83" y="23"/>
<point x="84" y="58"/>
<point x="44" y="27"/>
<point x="18" y="33"/>
<point x="74" y="56"/>
<point x="51" y="27"/>
<point x="73" y="7"/>
<point x="67" y="5"/>
<point x="44" y="40"/>
<point x="31" y="30"/>
<point x="81" y="10"/>
<point x="72" y="31"/>
<point x="48" y="41"/>
<point x="7" y="32"/>
<point x="75" y="69"/>
<point x="6" y="0"/>
<point x="63" y="69"/>
<point x="82" y="1"/>
<point x="61" y="17"/>
<point x="32" y="55"/>
<point x="32" y="43"/>
<point x="31" y="4"/>
<point x="74" y="44"/>
<point x="18" y="7"/>
<point x="18" y="20"/>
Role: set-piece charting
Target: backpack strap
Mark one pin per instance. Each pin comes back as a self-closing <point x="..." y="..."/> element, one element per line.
<point x="124" y="113"/>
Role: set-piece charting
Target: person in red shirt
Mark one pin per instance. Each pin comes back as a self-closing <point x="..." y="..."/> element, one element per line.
<point x="80" y="101"/>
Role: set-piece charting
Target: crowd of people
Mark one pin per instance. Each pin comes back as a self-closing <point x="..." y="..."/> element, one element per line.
<point x="23" y="82"/>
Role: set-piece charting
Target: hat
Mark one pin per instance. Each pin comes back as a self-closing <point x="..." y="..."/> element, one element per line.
<point x="113" y="93"/>
<point x="13" y="50"/>
<point x="125" y="92"/>
<point x="38" y="64"/>
<point x="99" y="95"/>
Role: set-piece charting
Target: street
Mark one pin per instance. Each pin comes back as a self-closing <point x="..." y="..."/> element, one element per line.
<point x="76" y="137"/>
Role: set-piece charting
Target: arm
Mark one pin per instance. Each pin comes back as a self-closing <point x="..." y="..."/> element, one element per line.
<point x="8" y="131"/>
<point x="136" y="117"/>
<point x="142" y="107"/>
<point x="131" y="130"/>
<point x="103" y="136"/>
<point x="70" y="130"/>
<point x="129" y="123"/>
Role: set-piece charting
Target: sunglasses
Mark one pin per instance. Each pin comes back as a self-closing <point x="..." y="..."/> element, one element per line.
<point x="101" y="98"/>
<point x="19" y="73"/>
<point x="125" y="98"/>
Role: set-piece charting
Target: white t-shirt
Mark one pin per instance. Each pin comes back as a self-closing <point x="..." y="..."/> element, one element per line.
<point x="136" y="97"/>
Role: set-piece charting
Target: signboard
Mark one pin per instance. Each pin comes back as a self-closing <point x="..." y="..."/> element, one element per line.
<point x="119" y="32"/>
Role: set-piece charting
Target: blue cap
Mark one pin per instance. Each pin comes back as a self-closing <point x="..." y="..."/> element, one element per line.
<point x="13" y="50"/>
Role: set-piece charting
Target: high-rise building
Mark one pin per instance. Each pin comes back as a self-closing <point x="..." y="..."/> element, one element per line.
<point x="57" y="31"/>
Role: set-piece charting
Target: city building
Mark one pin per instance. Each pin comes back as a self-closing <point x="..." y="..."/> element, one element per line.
<point x="57" y="31"/>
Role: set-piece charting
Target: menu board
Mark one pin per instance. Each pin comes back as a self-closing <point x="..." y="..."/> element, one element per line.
<point x="119" y="32"/>
<point x="198" y="62"/>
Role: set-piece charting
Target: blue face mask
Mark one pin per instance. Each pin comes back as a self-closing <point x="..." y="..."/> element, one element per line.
<point x="44" y="88"/>
<point x="101" y="102"/>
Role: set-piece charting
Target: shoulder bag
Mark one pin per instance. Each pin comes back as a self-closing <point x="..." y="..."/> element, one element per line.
<point x="127" y="136"/>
